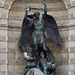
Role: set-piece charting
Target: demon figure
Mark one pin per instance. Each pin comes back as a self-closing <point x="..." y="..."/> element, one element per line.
<point x="35" y="27"/>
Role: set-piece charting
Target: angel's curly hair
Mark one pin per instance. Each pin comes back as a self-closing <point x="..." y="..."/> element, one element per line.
<point x="36" y="13"/>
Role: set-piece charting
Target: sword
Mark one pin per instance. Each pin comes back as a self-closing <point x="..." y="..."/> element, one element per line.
<point x="37" y="8"/>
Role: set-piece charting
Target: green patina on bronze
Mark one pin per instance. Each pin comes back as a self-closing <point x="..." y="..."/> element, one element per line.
<point x="35" y="27"/>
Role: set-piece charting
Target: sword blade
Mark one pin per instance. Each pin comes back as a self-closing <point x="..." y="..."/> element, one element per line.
<point x="37" y="8"/>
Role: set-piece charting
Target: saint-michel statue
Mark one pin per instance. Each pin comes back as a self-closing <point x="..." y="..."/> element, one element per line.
<point x="34" y="28"/>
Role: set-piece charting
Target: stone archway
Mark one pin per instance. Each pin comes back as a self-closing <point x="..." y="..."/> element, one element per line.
<point x="67" y="31"/>
<point x="15" y="19"/>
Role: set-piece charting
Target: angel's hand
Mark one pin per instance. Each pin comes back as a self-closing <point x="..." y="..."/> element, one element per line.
<point x="28" y="8"/>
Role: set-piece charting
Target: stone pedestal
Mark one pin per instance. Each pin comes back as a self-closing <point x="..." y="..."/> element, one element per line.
<point x="35" y="71"/>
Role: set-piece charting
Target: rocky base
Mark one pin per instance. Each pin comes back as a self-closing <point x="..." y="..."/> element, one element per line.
<point x="35" y="71"/>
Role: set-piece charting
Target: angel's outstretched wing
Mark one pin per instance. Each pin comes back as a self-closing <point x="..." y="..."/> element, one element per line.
<point x="52" y="29"/>
<point x="26" y="31"/>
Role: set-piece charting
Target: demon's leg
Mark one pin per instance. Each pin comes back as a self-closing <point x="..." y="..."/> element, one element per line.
<point x="48" y="54"/>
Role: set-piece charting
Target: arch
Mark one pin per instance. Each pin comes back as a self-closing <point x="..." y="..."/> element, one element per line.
<point x="16" y="16"/>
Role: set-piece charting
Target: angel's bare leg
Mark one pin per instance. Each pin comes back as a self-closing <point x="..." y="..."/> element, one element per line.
<point x="36" y="52"/>
<point x="35" y="45"/>
<point x="43" y="43"/>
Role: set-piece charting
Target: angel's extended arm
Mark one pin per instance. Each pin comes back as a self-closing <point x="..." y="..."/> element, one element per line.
<point x="45" y="7"/>
<point x="26" y="12"/>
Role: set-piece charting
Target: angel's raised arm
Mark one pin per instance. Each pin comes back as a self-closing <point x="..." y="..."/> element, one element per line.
<point x="45" y="7"/>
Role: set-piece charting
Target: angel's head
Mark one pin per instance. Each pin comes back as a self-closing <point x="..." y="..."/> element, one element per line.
<point x="36" y="15"/>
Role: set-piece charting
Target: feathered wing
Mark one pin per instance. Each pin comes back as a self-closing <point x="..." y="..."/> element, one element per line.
<point x="26" y="32"/>
<point x="52" y="29"/>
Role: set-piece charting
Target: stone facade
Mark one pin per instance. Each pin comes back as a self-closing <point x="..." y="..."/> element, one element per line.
<point x="11" y="16"/>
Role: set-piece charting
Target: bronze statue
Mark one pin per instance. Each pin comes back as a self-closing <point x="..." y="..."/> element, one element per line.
<point x="35" y="27"/>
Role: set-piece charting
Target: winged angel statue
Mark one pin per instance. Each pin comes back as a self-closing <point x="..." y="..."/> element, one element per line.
<point x="35" y="27"/>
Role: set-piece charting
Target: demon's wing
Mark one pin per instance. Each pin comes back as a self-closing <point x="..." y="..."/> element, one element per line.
<point x="52" y="29"/>
<point x="26" y="31"/>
